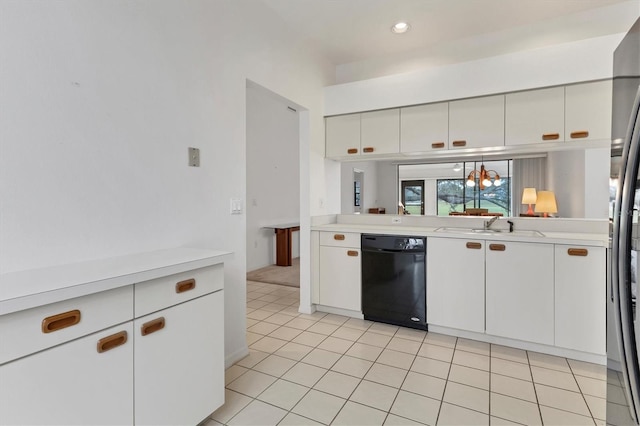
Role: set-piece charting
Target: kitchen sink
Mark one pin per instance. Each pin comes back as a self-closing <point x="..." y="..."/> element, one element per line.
<point x="475" y="231"/>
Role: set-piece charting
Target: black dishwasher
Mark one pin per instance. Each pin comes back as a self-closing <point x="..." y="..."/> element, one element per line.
<point x="394" y="280"/>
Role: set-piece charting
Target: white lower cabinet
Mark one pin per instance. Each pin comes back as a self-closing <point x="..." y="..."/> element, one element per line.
<point x="580" y="295"/>
<point x="171" y="385"/>
<point x="73" y="383"/>
<point x="340" y="273"/>
<point x="455" y="283"/>
<point x="520" y="291"/>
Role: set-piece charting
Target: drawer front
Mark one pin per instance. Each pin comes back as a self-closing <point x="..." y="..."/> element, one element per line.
<point x="154" y="295"/>
<point x="32" y="330"/>
<point x="340" y="239"/>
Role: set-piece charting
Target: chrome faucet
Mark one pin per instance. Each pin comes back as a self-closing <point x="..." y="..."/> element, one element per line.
<point x="488" y="223"/>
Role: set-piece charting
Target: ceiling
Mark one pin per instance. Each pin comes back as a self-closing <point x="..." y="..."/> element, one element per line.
<point x="349" y="31"/>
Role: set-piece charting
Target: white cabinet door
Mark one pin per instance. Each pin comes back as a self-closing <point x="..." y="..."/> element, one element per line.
<point x="476" y="123"/>
<point x="455" y="283"/>
<point x="179" y="363"/>
<point x="72" y="384"/>
<point x="534" y="116"/>
<point x="342" y="135"/>
<point x="424" y="128"/>
<point x="315" y="267"/>
<point x="580" y="293"/>
<point x="519" y="289"/>
<point x="380" y="132"/>
<point x="588" y="111"/>
<point x="340" y="277"/>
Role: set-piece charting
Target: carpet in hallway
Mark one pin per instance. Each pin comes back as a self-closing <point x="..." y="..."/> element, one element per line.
<point x="273" y="274"/>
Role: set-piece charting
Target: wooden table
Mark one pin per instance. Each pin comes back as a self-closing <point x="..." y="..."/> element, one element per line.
<point x="283" y="242"/>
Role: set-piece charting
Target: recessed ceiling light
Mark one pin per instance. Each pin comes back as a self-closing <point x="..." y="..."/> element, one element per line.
<point x="400" y="27"/>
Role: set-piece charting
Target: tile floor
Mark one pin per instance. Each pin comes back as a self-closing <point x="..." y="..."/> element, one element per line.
<point x="329" y="369"/>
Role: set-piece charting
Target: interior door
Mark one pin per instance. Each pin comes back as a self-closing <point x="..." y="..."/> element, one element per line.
<point x="413" y="196"/>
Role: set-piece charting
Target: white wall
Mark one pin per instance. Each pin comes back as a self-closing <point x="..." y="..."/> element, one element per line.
<point x="100" y="101"/>
<point x="273" y="173"/>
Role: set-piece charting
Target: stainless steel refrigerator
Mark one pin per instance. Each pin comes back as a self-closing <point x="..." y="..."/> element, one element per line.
<point x="623" y="339"/>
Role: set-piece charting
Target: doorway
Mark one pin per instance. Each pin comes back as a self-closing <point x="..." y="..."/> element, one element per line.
<point x="413" y="196"/>
<point x="358" y="190"/>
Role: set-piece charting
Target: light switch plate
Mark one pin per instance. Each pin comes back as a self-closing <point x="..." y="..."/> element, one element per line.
<point x="236" y="206"/>
<point x="194" y="157"/>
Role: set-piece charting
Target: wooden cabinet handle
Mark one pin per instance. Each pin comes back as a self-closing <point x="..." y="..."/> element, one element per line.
<point x="113" y="341"/>
<point x="580" y="134"/>
<point x="352" y="253"/>
<point x="550" y="136"/>
<point x="185" y="285"/>
<point x="459" y="143"/>
<point x="352" y="151"/>
<point x="476" y="246"/>
<point x="60" y="321"/>
<point x="338" y="237"/>
<point x="367" y="149"/>
<point x="497" y="247"/>
<point x="578" y="252"/>
<point x="152" y="326"/>
<point x="436" y="145"/>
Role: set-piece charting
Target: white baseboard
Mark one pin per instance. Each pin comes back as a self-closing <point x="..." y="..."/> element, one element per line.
<point x="236" y="356"/>
<point x="339" y="311"/>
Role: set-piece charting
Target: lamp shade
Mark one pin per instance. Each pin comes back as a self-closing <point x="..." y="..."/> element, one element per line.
<point x="529" y="196"/>
<point x="546" y="202"/>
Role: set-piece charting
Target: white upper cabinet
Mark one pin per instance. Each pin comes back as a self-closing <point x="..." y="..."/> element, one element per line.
<point x="534" y="116"/>
<point x="476" y="123"/>
<point x="342" y="135"/>
<point x="424" y="128"/>
<point x="588" y="111"/>
<point x="380" y="132"/>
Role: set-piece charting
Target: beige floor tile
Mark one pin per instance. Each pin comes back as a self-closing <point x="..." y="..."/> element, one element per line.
<point x="353" y="414"/>
<point x="285" y="333"/>
<point x="440" y="339"/>
<point x="280" y="319"/>
<point x="467" y="396"/>
<point x="555" y="378"/>
<point x="549" y="361"/>
<point x="359" y="324"/>
<point x="334" y="344"/>
<point x="352" y="366"/>
<point x="455" y="415"/>
<point x="274" y="365"/>
<point x="424" y="385"/>
<point x="283" y="394"/>
<point x="516" y="410"/>
<point x="593" y="387"/>
<point x="269" y="298"/>
<point x="386" y="375"/>
<point x="469" y="376"/>
<point x="396" y="359"/>
<point x="294" y="351"/>
<point x="291" y="310"/>
<point x="411" y="334"/>
<point x="300" y="323"/>
<point x="252" y="383"/>
<point x="474" y="346"/>
<point x="233" y="403"/>
<point x="337" y="384"/>
<point x="368" y="352"/>
<point x="553" y="416"/>
<point x="233" y="372"/>
<point x="416" y="407"/>
<point x="251" y="322"/>
<point x="588" y="369"/>
<point x="319" y="406"/>
<point x="268" y="344"/>
<point x="374" y="339"/>
<point x="211" y="422"/>
<point x="256" y="304"/>
<point x="516" y="388"/>
<point x="386" y="329"/>
<point x="469" y="359"/>
<point x="304" y="374"/>
<point x="511" y="368"/>
<point x="497" y="421"/>
<point x="403" y="345"/>
<point x="257" y="413"/>
<point x="263" y="328"/>
<point x="274" y="307"/>
<point x="597" y="406"/>
<point x="252" y="359"/>
<point x="253" y="337"/>
<point x="510" y="354"/>
<point x="432" y="367"/>
<point x="314" y="316"/>
<point x="393" y="420"/>
<point x="323" y="328"/>
<point x="374" y="395"/>
<point x="334" y="319"/>
<point x="321" y="358"/>
<point x="562" y="399"/>
<point x="347" y="333"/>
<point x="259" y="314"/>
<point x="309" y="339"/>
<point x="293" y="419"/>
<point x="441" y="353"/>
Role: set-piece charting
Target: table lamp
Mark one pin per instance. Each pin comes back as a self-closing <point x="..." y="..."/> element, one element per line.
<point x="546" y="203"/>
<point x="529" y="197"/>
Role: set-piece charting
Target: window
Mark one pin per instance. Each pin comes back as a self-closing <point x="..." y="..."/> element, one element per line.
<point x="413" y="196"/>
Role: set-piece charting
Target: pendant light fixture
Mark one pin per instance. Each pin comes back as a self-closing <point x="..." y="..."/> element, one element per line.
<point x="485" y="178"/>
